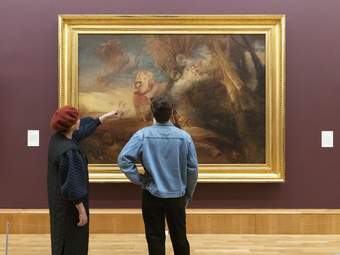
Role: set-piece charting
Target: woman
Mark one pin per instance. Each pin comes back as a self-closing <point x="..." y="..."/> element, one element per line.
<point x="68" y="180"/>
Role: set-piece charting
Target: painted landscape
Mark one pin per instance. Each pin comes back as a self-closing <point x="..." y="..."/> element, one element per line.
<point x="216" y="81"/>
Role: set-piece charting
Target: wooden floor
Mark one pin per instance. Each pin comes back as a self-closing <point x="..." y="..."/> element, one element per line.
<point x="130" y="244"/>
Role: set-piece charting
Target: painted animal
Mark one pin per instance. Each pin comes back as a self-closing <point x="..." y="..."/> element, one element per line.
<point x="144" y="88"/>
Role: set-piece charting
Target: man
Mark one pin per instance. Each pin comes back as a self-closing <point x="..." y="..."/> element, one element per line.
<point x="168" y="156"/>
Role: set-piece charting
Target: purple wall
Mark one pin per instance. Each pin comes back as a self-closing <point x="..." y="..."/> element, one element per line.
<point x="28" y="96"/>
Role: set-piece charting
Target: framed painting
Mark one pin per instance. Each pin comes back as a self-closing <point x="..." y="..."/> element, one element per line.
<point x="226" y="75"/>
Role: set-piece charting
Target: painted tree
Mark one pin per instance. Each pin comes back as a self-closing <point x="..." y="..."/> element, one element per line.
<point x="244" y="101"/>
<point x="169" y="51"/>
<point x="229" y="60"/>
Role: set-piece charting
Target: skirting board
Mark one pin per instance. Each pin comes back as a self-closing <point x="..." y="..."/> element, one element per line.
<point x="199" y="221"/>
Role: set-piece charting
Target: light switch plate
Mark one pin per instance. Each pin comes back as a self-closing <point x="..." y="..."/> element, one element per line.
<point x="32" y="138"/>
<point x="327" y="139"/>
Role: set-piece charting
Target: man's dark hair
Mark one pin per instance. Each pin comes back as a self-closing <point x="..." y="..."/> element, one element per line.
<point x="161" y="107"/>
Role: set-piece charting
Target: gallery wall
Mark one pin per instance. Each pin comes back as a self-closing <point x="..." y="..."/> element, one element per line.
<point x="29" y="88"/>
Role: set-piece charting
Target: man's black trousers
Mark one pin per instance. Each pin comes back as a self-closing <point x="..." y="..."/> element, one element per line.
<point x="155" y="211"/>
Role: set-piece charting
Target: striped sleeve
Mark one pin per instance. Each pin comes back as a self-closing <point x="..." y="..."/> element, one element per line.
<point x="73" y="176"/>
<point x="87" y="127"/>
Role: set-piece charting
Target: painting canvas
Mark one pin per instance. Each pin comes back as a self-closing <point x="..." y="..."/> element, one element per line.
<point x="216" y="82"/>
<point x="225" y="75"/>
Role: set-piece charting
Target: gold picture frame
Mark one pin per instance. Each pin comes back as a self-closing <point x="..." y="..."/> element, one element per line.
<point x="271" y="26"/>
